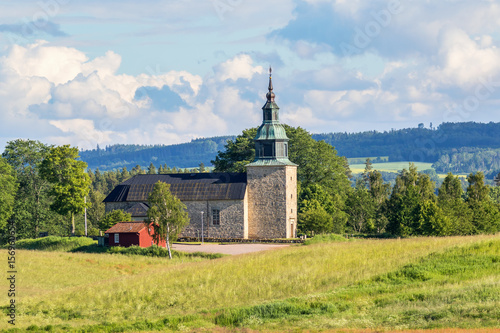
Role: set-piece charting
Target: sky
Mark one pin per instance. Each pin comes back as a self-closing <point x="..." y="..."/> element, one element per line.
<point x="88" y="73"/>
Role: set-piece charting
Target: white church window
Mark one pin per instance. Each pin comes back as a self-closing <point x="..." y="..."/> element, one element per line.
<point x="117" y="238"/>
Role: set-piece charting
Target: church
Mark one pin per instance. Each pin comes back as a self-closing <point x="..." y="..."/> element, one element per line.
<point x="258" y="204"/>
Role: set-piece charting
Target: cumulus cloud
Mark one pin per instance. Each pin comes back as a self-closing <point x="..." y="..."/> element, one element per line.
<point x="239" y="67"/>
<point x="86" y="102"/>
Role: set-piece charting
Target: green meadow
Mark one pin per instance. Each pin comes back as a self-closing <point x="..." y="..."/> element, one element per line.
<point x="390" y="166"/>
<point x="394" y="284"/>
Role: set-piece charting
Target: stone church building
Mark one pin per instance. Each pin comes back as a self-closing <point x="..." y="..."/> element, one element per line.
<point x="258" y="204"/>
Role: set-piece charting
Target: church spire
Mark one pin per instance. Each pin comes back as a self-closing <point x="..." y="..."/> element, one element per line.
<point x="270" y="95"/>
<point x="271" y="142"/>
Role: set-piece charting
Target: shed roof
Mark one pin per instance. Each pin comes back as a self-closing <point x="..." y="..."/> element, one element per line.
<point x="186" y="187"/>
<point x="126" y="227"/>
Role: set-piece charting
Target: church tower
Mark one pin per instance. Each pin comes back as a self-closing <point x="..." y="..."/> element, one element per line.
<point x="271" y="178"/>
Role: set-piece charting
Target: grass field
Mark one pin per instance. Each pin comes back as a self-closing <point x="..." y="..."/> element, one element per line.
<point x="393" y="284"/>
<point x="390" y="166"/>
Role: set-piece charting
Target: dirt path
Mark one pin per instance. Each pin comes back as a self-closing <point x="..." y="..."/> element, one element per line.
<point x="227" y="249"/>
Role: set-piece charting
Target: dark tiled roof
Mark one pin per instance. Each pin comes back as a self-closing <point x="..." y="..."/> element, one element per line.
<point x="126" y="227"/>
<point x="186" y="187"/>
<point x="140" y="209"/>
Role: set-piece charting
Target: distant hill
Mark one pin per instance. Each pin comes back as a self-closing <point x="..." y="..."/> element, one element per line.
<point x="456" y="147"/>
<point x="184" y="155"/>
<point x="415" y="144"/>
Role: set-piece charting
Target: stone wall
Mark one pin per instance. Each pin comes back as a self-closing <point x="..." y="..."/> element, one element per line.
<point x="232" y="219"/>
<point x="272" y="201"/>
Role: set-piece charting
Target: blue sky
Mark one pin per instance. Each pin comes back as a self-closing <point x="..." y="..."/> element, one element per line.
<point x="163" y="72"/>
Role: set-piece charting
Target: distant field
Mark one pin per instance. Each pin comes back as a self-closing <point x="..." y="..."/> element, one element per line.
<point x="390" y="166"/>
<point x="389" y="284"/>
<point x="360" y="160"/>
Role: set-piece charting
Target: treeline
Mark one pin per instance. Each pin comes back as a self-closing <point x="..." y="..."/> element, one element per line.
<point x="328" y="204"/>
<point x="467" y="146"/>
<point x="415" y="144"/>
<point x="45" y="190"/>
<point x="412" y="208"/>
<point x="184" y="155"/>
<point x="466" y="159"/>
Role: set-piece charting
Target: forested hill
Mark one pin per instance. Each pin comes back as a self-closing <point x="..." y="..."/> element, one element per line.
<point x="444" y="144"/>
<point x="185" y="155"/>
<point x="415" y="144"/>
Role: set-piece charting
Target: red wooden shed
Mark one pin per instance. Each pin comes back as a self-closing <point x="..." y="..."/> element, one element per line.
<point x="130" y="233"/>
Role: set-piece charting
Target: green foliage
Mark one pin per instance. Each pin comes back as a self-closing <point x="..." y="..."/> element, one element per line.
<point x="8" y="189"/>
<point x="477" y="190"/>
<point x="55" y="243"/>
<point x="31" y="208"/>
<point x="237" y="153"/>
<point x="405" y="210"/>
<point x="96" y="210"/>
<point x="319" y="211"/>
<point x="362" y="209"/>
<point x="432" y="220"/>
<point x="113" y="217"/>
<point x="70" y="182"/>
<point x="167" y="215"/>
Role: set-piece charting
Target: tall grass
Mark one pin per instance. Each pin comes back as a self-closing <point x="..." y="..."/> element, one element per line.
<point x="456" y="289"/>
<point x="81" y="289"/>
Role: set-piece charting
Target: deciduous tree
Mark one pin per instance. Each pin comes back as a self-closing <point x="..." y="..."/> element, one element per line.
<point x="32" y="213"/>
<point x="112" y="218"/>
<point x="8" y="188"/>
<point x="70" y="183"/>
<point x="167" y="215"/>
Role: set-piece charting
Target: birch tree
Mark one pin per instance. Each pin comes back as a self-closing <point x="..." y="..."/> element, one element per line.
<point x="167" y="215"/>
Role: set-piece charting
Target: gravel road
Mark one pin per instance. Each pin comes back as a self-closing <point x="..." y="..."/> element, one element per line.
<point x="227" y="249"/>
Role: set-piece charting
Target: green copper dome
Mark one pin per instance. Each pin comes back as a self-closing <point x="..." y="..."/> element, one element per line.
<point x="271" y="142"/>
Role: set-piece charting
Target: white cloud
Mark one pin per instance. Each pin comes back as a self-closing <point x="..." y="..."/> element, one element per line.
<point x="463" y="61"/>
<point x="239" y="67"/>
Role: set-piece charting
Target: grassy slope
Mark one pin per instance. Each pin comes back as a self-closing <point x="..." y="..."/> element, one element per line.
<point x="81" y="289"/>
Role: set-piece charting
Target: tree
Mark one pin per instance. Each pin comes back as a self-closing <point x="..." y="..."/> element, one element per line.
<point x="96" y="209"/>
<point x="70" y="182"/>
<point x="112" y="218"/>
<point x="314" y="201"/>
<point x="477" y="190"/>
<point x="151" y="169"/>
<point x="451" y="202"/>
<point x="361" y="208"/>
<point x="485" y="213"/>
<point x="167" y="215"/>
<point x="32" y="200"/>
<point x="238" y="153"/>
<point x="409" y="194"/>
<point x="8" y="189"/>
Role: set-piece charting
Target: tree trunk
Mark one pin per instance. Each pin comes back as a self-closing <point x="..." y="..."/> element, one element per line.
<point x="167" y="240"/>
<point x="72" y="224"/>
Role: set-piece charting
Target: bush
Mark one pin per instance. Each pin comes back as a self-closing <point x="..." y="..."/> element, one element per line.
<point x="55" y="243"/>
